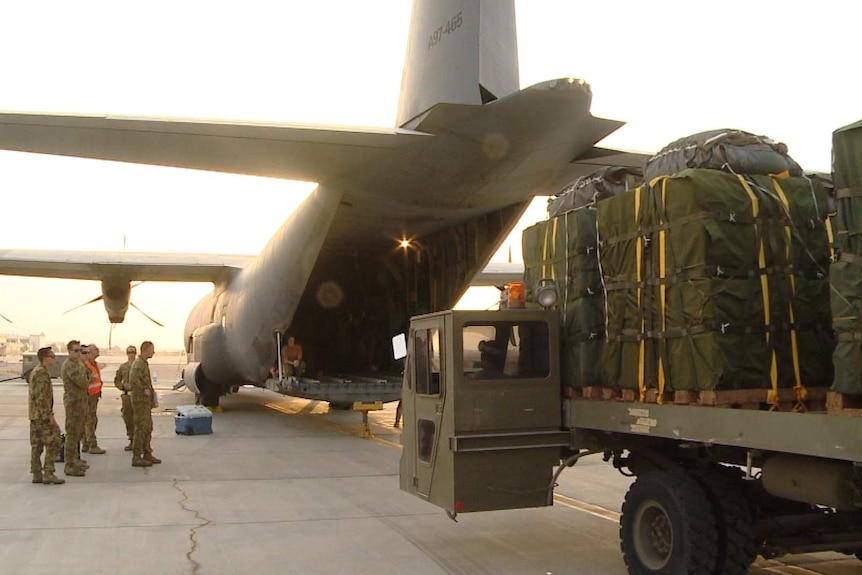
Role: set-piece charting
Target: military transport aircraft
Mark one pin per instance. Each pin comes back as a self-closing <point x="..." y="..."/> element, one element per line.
<point x="401" y="221"/>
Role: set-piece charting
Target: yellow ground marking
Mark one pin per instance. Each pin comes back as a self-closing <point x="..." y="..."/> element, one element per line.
<point x="594" y="510"/>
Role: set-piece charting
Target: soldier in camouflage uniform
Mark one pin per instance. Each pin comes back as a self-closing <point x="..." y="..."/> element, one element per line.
<point x="142" y="404"/>
<point x="44" y="431"/>
<point x="76" y="380"/>
<point x="121" y="381"/>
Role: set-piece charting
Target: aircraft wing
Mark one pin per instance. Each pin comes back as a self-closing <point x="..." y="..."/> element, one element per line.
<point x="151" y="266"/>
<point x="140" y="266"/>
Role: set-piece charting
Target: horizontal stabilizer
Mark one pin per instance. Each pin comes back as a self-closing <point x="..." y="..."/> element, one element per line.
<point x="600" y="157"/>
<point x="499" y="274"/>
<point x="277" y="150"/>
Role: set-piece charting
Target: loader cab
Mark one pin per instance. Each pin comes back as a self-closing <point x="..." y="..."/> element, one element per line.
<point x="482" y="409"/>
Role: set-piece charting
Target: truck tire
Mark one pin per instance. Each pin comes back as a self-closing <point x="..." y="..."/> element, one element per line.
<point x="737" y="545"/>
<point x="667" y="526"/>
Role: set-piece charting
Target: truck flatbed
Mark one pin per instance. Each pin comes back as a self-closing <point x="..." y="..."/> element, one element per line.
<point x="813" y="434"/>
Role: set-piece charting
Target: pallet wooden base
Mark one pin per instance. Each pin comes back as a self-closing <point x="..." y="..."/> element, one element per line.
<point x="841" y="404"/>
<point x="603" y="393"/>
<point x="816" y="400"/>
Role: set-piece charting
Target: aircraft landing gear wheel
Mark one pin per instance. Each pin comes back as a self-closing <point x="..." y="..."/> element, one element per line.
<point x="210" y="396"/>
<point x="667" y="526"/>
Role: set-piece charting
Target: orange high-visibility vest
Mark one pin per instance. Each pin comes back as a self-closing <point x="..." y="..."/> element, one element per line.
<point x="95" y="387"/>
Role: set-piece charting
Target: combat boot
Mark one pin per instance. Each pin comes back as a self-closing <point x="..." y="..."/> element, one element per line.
<point x="37" y="477"/>
<point x="128" y="447"/>
<point x="85" y="449"/>
<point x="52" y="479"/>
<point x="74" y="471"/>
<point x="152" y="458"/>
<point x="82" y="464"/>
<point x="96" y="450"/>
<point x="140" y="462"/>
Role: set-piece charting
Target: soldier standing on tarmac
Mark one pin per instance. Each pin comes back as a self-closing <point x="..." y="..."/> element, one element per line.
<point x="142" y="404"/>
<point x="94" y="392"/>
<point x="75" y="384"/>
<point x="44" y="431"/>
<point x="121" y="381"/>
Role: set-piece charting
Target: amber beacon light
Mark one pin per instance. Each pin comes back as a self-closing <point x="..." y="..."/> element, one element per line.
<point x="517" y="295"/>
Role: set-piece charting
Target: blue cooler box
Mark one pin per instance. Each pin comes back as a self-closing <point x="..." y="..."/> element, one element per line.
<point x="194" y="420"/>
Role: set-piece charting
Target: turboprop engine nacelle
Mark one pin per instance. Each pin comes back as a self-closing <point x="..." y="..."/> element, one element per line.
<point x="209" y="360"/>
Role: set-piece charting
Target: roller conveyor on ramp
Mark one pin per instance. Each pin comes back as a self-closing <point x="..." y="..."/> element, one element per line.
<point x="358" y="392"/>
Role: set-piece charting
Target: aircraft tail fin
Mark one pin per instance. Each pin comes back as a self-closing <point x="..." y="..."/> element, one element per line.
<point x="459" y="52"/>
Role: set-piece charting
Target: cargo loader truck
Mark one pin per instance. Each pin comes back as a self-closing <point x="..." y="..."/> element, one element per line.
<point x="489" y="425"/>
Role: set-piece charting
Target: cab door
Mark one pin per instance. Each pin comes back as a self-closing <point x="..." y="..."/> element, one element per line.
<point x="424" y="396"/>
<point x="482" y="419"/>
<point x="504" y="418"/>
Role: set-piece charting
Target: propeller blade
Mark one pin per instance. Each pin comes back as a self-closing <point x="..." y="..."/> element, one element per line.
<point x="131" y="303"/>
<point x="6" y="318"/>
<point x="111" y="336"/>
<point x="94" y="300"/>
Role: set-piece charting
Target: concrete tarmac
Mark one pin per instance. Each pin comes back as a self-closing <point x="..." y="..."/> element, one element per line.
<point x="284" y="485"/>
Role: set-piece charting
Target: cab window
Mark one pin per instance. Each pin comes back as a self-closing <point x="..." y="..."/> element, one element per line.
<point x="426" y="346"/>
<point x="506" y="350"/>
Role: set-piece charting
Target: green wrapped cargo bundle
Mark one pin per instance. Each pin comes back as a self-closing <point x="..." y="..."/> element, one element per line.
<point x="563" y="248"/>
<point x="711" y="286"/>
<point x="847" y="177"/>
<point x="741" y="152"/>
<point x="595" y="187"/>
<point x="846" y="271"/>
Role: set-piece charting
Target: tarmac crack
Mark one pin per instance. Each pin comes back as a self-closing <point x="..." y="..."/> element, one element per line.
<point x="193" y="532"/>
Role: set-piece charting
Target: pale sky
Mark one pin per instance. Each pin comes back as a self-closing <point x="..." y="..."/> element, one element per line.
<point x="775" y="68"/>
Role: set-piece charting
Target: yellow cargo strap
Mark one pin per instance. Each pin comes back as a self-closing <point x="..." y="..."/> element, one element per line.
<point x="545" y="252"/>
<point x="554" y="248"/>
<point x="772" y="395"/>
<point x="801" y="392"/>
<point x="830" y="237"/>
<point x="638" y="261"/>
<point x="549" y="245"/>
<point x="662" y="265"/>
